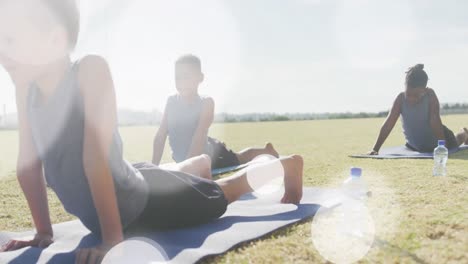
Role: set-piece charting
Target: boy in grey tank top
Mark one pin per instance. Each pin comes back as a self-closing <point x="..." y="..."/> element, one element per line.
<point x="68" y="131"/>
<point x="419" y="107"/>
<point x="186" y="121"/>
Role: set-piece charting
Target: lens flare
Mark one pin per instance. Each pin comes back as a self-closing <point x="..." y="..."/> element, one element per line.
<point x="30" y="35"/>
<point x="343" y="234"/>
<point x="266" y="175"/>
<point x="136" y="250"/>
<point x="152" y="34"/>
<point x="378" y="218"/>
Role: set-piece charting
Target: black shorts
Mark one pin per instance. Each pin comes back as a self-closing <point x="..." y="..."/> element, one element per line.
<point x="177" y="200"/>
<point x="221" y="156"/>
<point x="450" y="141"/>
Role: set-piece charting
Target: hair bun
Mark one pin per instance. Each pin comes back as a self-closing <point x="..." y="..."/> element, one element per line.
<point x="419" y="67"/>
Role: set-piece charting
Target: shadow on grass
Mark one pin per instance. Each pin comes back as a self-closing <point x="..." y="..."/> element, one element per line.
<point x="401" y="252"/>
<point x="458" y="177"/>
<point x="461" y="156"/>
<point x="283" y="232"/>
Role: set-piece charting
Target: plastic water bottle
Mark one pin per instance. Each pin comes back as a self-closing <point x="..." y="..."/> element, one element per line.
<point x="440" y="159"/>
<point x="354" y="191"/>
<point x="354" y="187"/>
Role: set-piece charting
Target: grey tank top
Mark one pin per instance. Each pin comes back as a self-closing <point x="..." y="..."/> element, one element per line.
<point x="182" y="120"/>
<point x="416" y="124"/>
<point x="58" y="131"/>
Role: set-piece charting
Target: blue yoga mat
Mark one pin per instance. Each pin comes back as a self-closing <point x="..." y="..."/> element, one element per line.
<point x="225" y="170"/>
<point x="402" y="152"/>
<point x="214" y="172"/>
<point x="249" y="218"/>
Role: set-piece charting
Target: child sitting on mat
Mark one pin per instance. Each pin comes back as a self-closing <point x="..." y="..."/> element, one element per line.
<point x="68" y="135"/>
<point x="419" y="109"/>
<point x="187" y="119"/>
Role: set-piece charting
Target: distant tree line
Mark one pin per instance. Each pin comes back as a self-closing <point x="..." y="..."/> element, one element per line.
<point x="139" y="118"/>
<point x="446" y="109"/>
<point x="265" y="117"/>
<point x="456" y="108"/>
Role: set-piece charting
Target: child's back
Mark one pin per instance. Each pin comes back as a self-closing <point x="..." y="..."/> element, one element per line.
<point x="416" y="124"/>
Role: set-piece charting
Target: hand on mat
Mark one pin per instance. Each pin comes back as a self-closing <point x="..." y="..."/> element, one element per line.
<point x="91" y="255"/>
<point x="40" y="241"/>
<point x="373" y="152"/>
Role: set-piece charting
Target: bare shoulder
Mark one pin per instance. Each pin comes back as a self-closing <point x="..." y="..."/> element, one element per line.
<point x="171" y="98"/>
<point x="208" y="101"/>
<point x="399" y="99"/>
<point x="91" y="63"/>
<point x="401" y="96"/>
<point x="396" y="107"/>
<point x="433" y="100"/>
<point x="208" y="107"/>
<point x="431" y="92"/>
<point x="93" y="71"/>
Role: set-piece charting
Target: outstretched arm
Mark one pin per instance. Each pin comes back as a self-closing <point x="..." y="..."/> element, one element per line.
<point x="388" y="125"/>
<point x="98" y="94"/>
<point x="201" y="133"/>
<point x="434" y="116"/>
<point x="160" y="140"/>
<point x="31" y="179"/>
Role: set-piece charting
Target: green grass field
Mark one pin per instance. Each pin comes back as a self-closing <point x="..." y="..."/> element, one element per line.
<point x="419" y="218"/>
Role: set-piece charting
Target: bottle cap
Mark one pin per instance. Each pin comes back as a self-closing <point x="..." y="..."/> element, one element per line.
<point x="356" y="172"/>
<point x="441" y="142"/>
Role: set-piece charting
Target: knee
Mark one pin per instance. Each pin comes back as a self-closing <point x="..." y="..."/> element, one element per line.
<point x="464" y="131"/>
<point x="206" y="158"/>
<point x="206" y="161"/>
<point x="295" y="161"/>
<point x="298" y="160"/>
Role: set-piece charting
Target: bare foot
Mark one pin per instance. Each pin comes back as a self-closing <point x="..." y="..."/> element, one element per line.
<point x="293" y="168"/>
<point x="271" y="150"/>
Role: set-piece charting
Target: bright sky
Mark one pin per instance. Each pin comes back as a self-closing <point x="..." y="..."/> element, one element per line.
<point x="277" y="55"/>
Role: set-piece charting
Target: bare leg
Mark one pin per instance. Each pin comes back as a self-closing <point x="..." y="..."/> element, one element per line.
<point x="199" y="166"/>
<point x="249" y="154"/>
<point x="462" y="137"/>
<point x="237" y="185"/>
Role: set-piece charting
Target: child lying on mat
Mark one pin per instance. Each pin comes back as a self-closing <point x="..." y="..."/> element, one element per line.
<point x="419" y="107"/>
<point x="187" y="119"/>
<point x="68" y="131"/>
